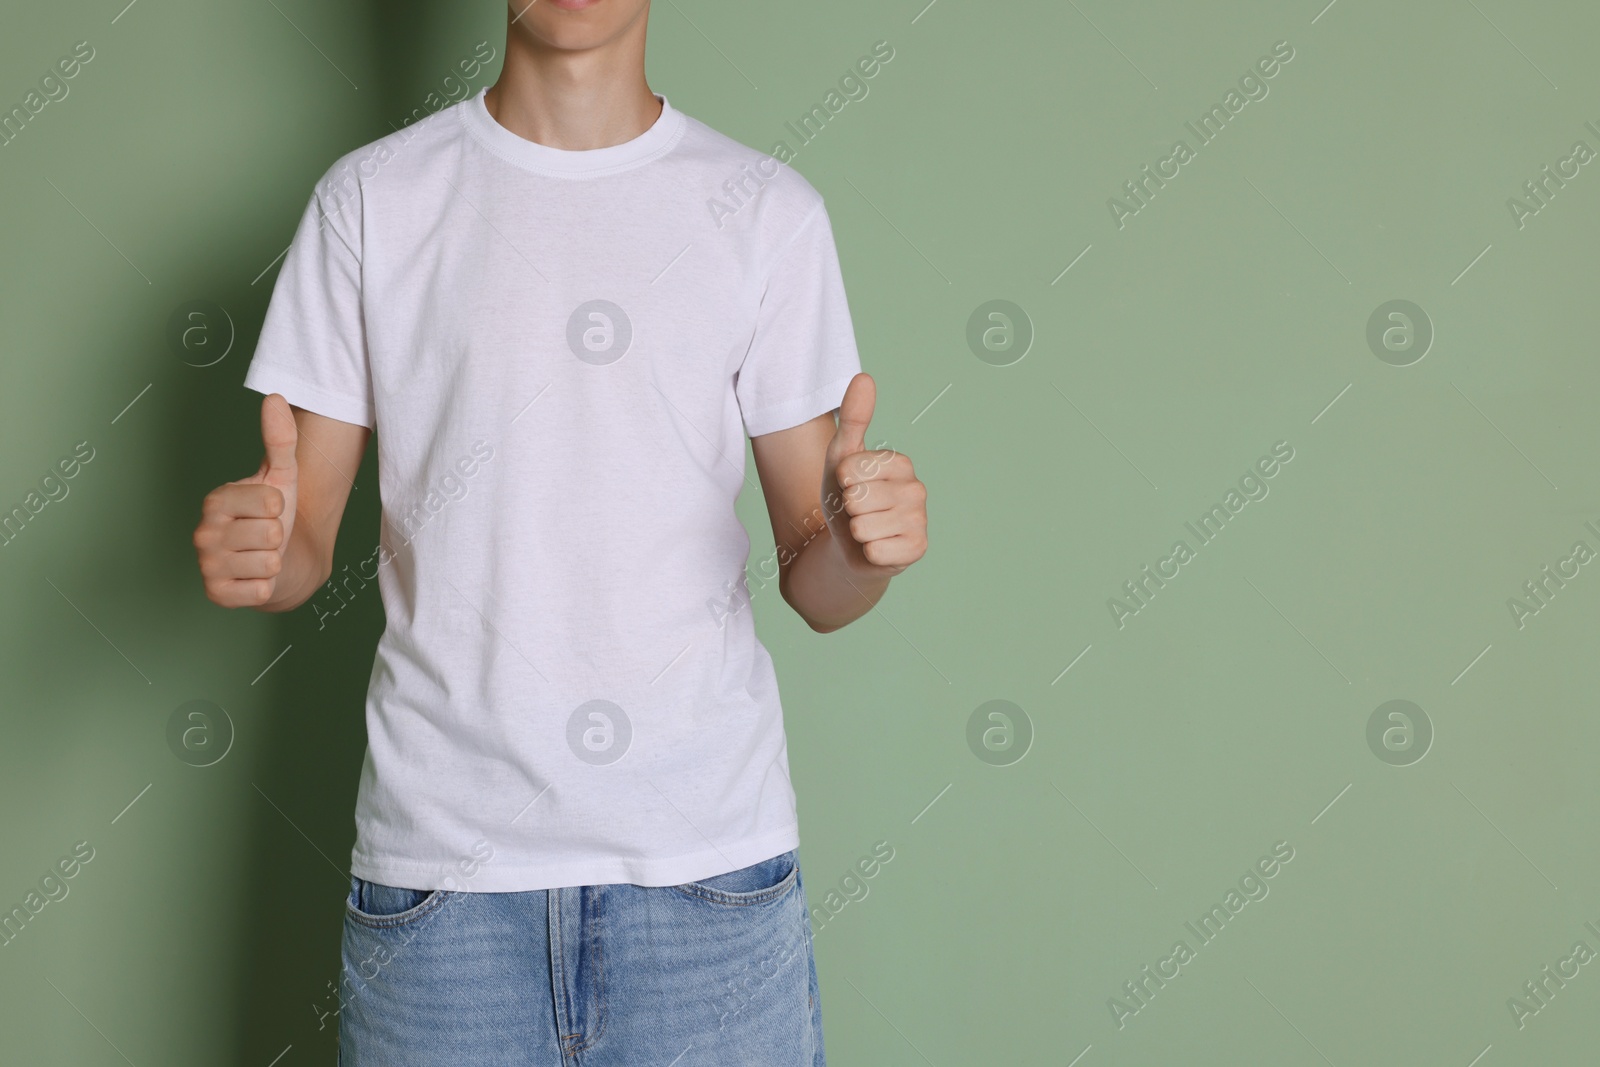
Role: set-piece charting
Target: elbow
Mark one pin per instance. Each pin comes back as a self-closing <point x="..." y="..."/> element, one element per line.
<point x="817" y="625"/>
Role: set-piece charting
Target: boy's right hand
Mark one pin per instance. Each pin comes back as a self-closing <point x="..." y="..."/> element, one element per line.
<point x="245" y="525"/>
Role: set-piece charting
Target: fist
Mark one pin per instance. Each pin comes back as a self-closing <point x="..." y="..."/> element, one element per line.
<point x="875" y="506"/>
<point x="245" y="525"/>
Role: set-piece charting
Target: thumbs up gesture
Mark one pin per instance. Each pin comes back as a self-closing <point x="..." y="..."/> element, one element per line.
<point x="874" y="504"/>
<point x="245" y="525"/>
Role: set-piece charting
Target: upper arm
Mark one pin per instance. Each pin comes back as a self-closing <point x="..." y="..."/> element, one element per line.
<point x="327" y="455"/>
<point x="789" y="463"/>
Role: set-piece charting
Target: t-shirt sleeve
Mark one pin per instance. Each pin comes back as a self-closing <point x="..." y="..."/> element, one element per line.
<point x="803" y="352"/>
<point x="313" y="347"/>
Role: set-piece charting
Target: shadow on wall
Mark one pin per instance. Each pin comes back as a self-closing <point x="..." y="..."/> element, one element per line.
<point x="311" y="734"/>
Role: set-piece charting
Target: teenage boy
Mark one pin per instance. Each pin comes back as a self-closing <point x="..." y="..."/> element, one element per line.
<point x="576" y="840"/>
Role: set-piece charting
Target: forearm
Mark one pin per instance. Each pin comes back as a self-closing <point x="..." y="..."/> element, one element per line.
<point x="820" y="586"/>
<point x="839" y="547"/>
<point x="305" y="567"/>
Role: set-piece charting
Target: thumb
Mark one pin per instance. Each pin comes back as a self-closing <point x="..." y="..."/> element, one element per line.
<point x="855" y="412"/>
<point x="280" y="435"/>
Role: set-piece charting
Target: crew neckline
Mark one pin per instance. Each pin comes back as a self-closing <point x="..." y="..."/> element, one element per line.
<point x="571" y="163"/>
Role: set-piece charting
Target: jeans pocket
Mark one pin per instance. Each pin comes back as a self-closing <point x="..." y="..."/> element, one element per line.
<point x="762" y="881"/>
<point x="386" y="906"/>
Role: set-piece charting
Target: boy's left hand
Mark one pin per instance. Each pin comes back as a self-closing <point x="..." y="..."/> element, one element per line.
<point x="882" y="527"/>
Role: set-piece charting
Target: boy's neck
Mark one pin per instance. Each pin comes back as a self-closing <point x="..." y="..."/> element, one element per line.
<point x="574" y="100"/>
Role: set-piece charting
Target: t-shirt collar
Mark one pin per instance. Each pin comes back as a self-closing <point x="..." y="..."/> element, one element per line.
<point x="562" y="162"/>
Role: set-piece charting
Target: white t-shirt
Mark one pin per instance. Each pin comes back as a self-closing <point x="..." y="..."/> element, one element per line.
<point x="560" y="353"/>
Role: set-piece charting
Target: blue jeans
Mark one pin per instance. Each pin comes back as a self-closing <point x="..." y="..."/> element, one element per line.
<point x="715" y="973"/>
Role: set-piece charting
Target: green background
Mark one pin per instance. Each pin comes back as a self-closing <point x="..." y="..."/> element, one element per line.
<point x="1228" y="715"/>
